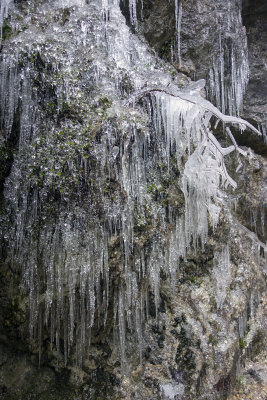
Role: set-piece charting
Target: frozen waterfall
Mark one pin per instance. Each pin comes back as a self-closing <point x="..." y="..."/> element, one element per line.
<point x="86" y="136"/>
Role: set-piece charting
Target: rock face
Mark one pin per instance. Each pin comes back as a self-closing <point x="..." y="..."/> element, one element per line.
<point x="128" y="269"/>
<point x="203" y="39"/>
<point x="254" y="16"/>
<point x="214" y="46"/>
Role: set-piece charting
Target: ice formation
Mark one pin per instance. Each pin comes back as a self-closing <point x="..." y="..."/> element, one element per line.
<point x="229" y="70"/>
<point x="178" y="20"/>
<point x="178" y="5"/>
<point x="262" y="127"/>
<point x="133" y="11"/>
<point x="222" y="272"/>
<point x="62" y="240"/>
<point x="229" y="74"/>
<point x="4" y="7"/>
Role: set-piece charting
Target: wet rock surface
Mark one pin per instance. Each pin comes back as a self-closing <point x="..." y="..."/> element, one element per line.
<point x="252" y="380"/>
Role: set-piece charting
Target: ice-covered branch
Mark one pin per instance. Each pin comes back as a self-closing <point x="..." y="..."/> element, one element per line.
<point x="183" y="117"/>
<point x="195" y="98"/>
<point x="190" y="99"/>
<point x="251" y="235"/>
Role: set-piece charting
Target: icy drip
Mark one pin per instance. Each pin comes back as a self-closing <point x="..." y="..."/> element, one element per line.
<point x="222" y="274"/>
<point x="262" y="127"/>
<point x="73" y="278"/>
<point x="229" y="74"/>
<point x="17" y="99"/>
<point x="178" y="21"/>
<point x="9" y="86"/>
<point x="243" y="323"/>
<point x="133" y="11"/>
<point x="227" y="91"/>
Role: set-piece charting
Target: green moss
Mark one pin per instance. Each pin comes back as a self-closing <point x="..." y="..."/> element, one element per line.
<point x="63" y="16"/>
<point x="6" y="30"/>
<point x="165" y="49"/>
<point x="105" y="102"/>
<point x="213" y="340"/>
<point x="239" y="381"/>
<point x="242" y="343"/>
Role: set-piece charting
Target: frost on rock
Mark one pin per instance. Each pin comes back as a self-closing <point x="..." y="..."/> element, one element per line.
<point x="86" y="222"/>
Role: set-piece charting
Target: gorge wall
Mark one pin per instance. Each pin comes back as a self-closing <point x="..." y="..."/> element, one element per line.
<point x="132" y="208"/>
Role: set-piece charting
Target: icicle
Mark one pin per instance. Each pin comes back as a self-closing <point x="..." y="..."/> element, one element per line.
<point x="5" y="5"/>
<point x="243" y="323"/>
<point x="133" y="12"/>
<point x="262" y="127"/>
<point x="229" y="74"/>
<point x="121" y="321"/>
<point x="178" y="20"/>
<point x="222" y="274"/>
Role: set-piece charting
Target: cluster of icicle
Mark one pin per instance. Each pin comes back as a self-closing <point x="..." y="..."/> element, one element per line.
<point x="183" y="123"/>
<point x="66" y="264"/>
<point x="16" y="87"/>
<point x="178" y="4"/>
<point x="229" y="73"/>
